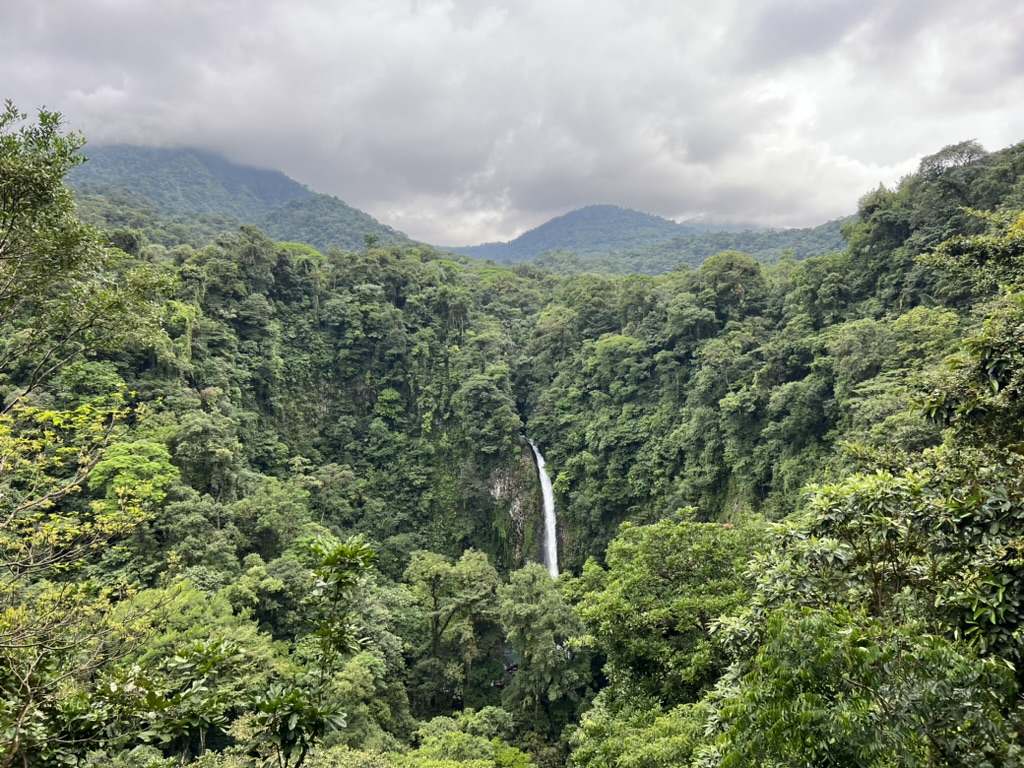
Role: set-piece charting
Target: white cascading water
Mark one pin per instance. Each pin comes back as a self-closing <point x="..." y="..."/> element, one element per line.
<point x="550" y="527"/>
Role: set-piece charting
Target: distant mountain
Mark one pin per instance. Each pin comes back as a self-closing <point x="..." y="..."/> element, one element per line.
<point x="614" y="240"/>
<point x="185" y="181"/>
<point x="765" y="245"/>
<point x="593" y="230"/>
<point x="190" y="196"/>
<point x="173" y="188"/>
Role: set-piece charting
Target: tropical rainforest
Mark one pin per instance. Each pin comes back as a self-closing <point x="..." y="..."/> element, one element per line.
<point x="268" y="504"/>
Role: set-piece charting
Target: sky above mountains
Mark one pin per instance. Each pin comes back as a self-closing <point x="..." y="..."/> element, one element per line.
<point x="462" y="121"/>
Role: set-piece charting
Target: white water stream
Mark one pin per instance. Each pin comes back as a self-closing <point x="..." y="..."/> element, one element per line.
<point x="550" y="522"/>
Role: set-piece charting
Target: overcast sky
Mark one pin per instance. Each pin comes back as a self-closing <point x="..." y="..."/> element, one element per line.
<point x="460" y="121"/>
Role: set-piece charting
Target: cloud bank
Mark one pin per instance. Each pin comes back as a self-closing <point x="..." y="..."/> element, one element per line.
<point x="461" y="121"/>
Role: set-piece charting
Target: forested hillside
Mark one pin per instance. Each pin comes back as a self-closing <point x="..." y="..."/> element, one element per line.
<point x="766" y="246"/>
<point x="265" y="504"/>
<point x="589" y="231"/>
<point x="608" y="239"/>
<point x="187" y="196"/>
<point x="185" y="181"/>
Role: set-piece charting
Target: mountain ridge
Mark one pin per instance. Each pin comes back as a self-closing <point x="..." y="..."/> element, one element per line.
<point x="210" y="182"/>
<point x="190" y="187"/>
<point x="595" y="229"/>
<point x="187" y="182"/>
<point x="611" y="238"/>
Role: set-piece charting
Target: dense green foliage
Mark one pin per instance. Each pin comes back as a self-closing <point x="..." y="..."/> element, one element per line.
<point x="766" y="246"/>
<point x="324" y="222"/>
<point x="186" y="181"/>
<point x="265" y="504"/>
<point x="188" y="196"/>
<point x="611" y="240"/>
<point x="592" y="230"/>
<point x="185" y="196"/>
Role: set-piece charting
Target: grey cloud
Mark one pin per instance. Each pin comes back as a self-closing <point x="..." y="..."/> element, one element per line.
<point x="794" y="29"/>
<point x="463" y="120"/>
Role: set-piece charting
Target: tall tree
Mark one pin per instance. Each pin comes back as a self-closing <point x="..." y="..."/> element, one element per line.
<point x="62" y="294"/>
<point x="62" y="291"/>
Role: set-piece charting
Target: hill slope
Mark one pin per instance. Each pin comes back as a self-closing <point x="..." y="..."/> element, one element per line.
<point x="614" y="240"/>
<point x="767" y="246"/>
<point x="169" y="188"/>
<point x="593" y="230"/>
<point x="185" y="181"/>
<point x="324" y="221"/>
<point x="189" y="195"/>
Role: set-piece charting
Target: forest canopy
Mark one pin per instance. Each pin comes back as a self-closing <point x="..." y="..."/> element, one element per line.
<point x="267" y="504"/>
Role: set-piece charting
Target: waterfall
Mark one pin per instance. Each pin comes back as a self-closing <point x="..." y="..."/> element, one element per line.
<point x="550" y="528"/>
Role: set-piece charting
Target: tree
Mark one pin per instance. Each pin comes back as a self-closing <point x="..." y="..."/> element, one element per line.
<point x="341" y="570"/>
<point x="731" y="284"/>
<point x="980" y="263"/>
<point x="885" y="626"/>
<point x="453" y="600"/>
<point x="62" y="291"/>
<point x="651" y="612"/>
<point x="62" y="294"/>
<point x="831" y="688"/>
<point x="56" y="632"/>
<point x="640" y="736"/>
<point x="551" y="673"/>
<point x="295" y="713"/>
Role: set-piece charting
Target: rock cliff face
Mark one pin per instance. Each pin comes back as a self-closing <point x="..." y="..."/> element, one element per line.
<point x="515" y="488"/>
